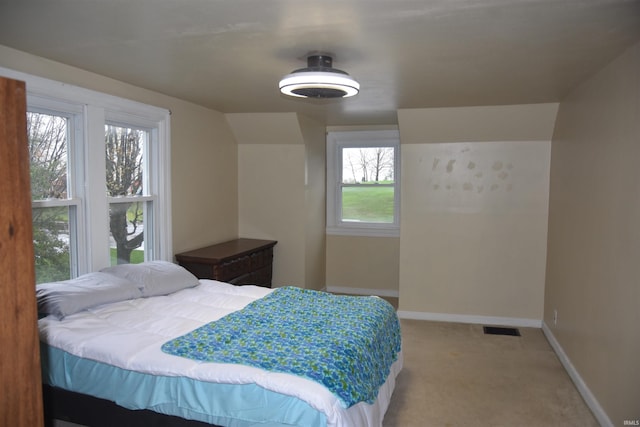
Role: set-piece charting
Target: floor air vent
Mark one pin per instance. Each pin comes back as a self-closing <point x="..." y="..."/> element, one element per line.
<point x="494" y="330"/>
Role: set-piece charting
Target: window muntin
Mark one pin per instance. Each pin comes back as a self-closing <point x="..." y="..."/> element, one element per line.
<point x="362" y="183"/>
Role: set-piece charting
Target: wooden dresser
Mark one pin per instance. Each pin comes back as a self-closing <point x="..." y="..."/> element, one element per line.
<point x="240" y="262"/>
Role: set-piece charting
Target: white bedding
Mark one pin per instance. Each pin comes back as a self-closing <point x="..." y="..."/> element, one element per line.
<point x="129" y="334"/>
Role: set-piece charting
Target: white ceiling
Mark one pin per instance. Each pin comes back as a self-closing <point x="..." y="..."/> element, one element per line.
<point x="230" y="54"/>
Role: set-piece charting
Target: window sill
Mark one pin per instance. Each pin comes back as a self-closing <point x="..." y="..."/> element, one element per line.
<point x="364" y="231"/>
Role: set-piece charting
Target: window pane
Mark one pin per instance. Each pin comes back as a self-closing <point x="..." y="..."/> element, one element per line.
<point x="367" y="164"/>
<point x="48" y="135"/>
<point x="51" y="237"/>
<point x="126" y="234"/>
<point x="125" y="160"/>
<point x="368" y="203"/>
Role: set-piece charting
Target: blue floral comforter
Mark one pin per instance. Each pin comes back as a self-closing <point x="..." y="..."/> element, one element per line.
<point x="346" y="343"/>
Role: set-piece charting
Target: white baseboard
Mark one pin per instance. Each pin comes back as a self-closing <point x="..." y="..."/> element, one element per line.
<point x="463" y="318"/>
<point x="584" y="391"/>
<point x="363" y="291"/>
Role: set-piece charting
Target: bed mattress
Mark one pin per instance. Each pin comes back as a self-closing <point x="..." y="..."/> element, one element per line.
<point x="113" y="352"/>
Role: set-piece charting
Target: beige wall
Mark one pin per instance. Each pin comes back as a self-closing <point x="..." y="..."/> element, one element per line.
<point x="594" y="235"/>
<point x="203" y="179"/>
<point x="474" y="213"/>
<point x="315" y="198"/>
<point x="363" y="265"/>
<point x="203" y="152"/>
<point x="280" y="186"/>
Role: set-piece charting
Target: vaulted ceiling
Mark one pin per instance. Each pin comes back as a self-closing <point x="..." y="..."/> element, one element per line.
<point x="230" y="54"/>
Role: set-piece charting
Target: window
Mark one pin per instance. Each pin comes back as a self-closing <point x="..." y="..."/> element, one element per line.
<point x="50" y="134"/>
<point x="363" y="183"/>
<point x="100" y="179"/>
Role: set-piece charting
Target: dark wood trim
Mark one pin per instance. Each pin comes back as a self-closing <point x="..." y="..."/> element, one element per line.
<point x="21" y="401"/>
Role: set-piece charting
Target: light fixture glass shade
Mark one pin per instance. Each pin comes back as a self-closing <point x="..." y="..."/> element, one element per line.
<point x="319" y="84"/>
<point x="319" y="80"/>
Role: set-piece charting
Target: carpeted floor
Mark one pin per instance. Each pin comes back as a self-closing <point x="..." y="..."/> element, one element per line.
<point x="455" y="375"/>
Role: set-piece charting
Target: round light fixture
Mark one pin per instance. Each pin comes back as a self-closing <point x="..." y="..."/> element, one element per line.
<point x="319" y="80"/>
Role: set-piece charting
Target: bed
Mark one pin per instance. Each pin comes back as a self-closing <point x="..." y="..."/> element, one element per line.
<point x="152" y="341"/>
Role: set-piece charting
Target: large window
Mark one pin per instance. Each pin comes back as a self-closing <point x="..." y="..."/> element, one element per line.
<point x="99" y="179"/>
<point x="363" y="183"/>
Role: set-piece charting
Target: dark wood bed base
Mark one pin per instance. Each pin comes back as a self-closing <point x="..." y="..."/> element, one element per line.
<point x="91" y="411"/>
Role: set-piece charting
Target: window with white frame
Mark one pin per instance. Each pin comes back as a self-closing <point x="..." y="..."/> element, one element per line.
<point x="100" y="179"/>
<point x="363" y="183"/>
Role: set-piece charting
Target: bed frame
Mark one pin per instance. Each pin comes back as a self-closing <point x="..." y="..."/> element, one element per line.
<point x="60" y="404"/>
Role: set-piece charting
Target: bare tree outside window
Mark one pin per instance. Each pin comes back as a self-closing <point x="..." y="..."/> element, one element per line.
<point x="367" y="165"/>
<point x="47" y="136"/>
<point x="383" y="164"/>
<point x="125" y="160"/>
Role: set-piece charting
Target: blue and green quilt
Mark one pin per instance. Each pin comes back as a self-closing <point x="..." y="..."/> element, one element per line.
<point x="346" y="343"/>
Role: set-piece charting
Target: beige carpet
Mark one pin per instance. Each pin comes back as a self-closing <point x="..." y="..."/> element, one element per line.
<point x="455" y="375"/>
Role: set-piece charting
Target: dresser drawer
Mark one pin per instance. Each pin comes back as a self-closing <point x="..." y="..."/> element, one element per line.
<point x="262" y="259"/>
<point x="201" y="271"/>
<point x="230" y="269"/>
<point x="262" y="277"/>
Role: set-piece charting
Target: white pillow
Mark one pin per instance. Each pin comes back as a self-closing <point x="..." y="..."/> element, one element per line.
<point x="155" y="277"/>
<point x="89" y="290"/>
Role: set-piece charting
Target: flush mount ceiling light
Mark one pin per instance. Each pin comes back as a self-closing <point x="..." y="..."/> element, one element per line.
<point x="319" y="80"/>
